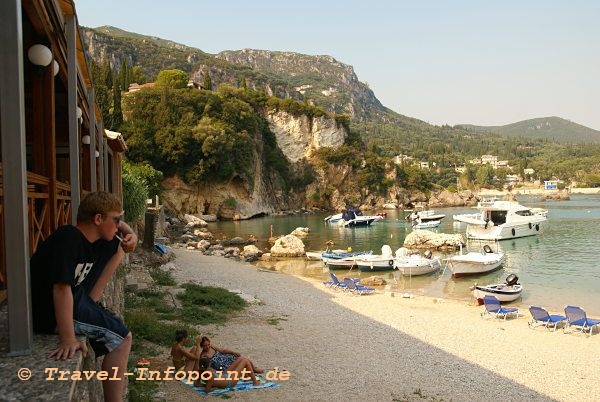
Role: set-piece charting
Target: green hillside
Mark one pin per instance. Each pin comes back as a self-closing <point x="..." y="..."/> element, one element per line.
<point x="553" y="129"/>
<point x="553" y="147"/>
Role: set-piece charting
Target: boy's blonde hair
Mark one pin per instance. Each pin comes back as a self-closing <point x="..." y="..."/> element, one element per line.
<point x="99" y="202"/>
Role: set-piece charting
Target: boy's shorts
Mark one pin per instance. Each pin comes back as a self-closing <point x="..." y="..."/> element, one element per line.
<point x="104" y="330"/>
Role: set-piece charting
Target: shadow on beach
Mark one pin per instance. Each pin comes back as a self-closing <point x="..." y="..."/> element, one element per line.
<point x="332" y="352"/>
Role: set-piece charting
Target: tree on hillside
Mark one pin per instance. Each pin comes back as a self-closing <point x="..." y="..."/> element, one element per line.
<point x="116" y="115"/>
<point x="137" y="75"/>
<point x="103" y="82"/>
<point x="484" y="175"/>
<point x="207" y="83"/>
<point x="172" y="79"/>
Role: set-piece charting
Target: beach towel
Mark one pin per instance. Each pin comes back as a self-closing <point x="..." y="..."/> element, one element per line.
<point x="240" y="386"/>
<point x="160" y="248"/>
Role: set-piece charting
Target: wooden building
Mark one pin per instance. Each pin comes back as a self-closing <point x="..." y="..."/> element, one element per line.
<point x="54" y="148"/>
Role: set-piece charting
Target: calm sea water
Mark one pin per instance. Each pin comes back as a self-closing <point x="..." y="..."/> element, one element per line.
<point x="558" y="267"/>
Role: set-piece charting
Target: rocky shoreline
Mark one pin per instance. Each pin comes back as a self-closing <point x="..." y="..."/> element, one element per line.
<point x="438" y="199"/>
<point x="190" y="231"/>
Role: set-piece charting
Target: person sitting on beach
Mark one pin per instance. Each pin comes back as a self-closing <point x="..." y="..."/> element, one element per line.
<point x="240" y="369"/>
<point x="184" y="360"/>
<point x="222" y="359"/>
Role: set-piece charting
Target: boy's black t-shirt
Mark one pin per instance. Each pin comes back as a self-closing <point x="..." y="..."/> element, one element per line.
<point x="65" y="256"/>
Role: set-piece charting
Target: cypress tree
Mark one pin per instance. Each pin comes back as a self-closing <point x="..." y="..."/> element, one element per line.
<point x="207" y="84"/>
<point x="117" y="115"/>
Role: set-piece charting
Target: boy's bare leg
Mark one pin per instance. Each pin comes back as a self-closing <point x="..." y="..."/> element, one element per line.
<point x="113" y="390"/>
<point x="191" y="364"/>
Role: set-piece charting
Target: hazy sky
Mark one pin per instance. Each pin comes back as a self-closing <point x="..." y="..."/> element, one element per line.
<point x="444" y="62"/>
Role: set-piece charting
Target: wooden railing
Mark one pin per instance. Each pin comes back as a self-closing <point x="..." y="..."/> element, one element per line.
<point x="38" y="194"/>
<point x="38" y="212"/>
<point x="63" y="204"/>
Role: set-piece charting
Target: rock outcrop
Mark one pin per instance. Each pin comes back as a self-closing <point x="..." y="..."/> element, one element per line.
<point x="300" y="232"/>
<point x="288" y="246"/>
<point x="557" y="196"/>
<point x="446" y="198"/>
<point x="426" y="239"/>
<point x="299" y="137"/>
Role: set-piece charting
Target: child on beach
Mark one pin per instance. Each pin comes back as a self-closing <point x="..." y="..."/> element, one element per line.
<point x="183" y="359"/>
<point x="69" y="273"/>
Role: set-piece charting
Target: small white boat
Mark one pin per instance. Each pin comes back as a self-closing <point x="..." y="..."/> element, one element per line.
<point x="415" y="264"/>
<point x="333" y="218"/>
<point x="475" y="262"/>
<point x="424" y="215"/>
<point x="342" y="263"/>
<point x="500" y="220"/>
<point x="419" y="224"/>
<point x="504" y="292"/>
<point x="376" y="262"/>
<point x="355" y="218"/>
<point x="314" y="255"/>
<point x="341" y="254"/>
<point x="325" y="254"/>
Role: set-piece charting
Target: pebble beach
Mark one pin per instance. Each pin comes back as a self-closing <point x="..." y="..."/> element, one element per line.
<point x="338" y="345"/>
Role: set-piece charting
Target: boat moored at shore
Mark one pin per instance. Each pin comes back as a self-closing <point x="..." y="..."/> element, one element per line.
<point x="415" y="264"/>
<point x="421" y="214"/>
<point x="505" y="292"/>
<point x="376" y="262"/>
<point x="418" y="224"/>
<point x="501" y="220"/>
<point x="355" y="218"/>
<point x="475" y="262"/>
<point x="352" y="218"/>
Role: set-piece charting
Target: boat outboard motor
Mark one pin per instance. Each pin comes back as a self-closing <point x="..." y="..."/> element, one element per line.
<point x="512" y="279"/>
<point x="428" y="254"/>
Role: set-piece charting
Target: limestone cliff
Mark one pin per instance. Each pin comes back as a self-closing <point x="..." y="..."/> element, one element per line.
<point x="321" y="79"/>
<point x="297" y="137"/>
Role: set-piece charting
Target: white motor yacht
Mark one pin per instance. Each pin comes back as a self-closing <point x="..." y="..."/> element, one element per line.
<point x="501" y="220"/>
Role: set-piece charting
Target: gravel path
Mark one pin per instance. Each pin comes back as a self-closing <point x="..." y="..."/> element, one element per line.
<point x="339" y="346"/>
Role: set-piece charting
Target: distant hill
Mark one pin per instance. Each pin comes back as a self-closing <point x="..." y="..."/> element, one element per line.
<point x="321" y="80"/>
<point x="552" y="129"/>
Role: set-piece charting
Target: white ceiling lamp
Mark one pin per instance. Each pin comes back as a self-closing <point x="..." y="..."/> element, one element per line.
<point x="97" y="154"/>
<point x="55" y="67"/>
<point x="39" y="55"/>
<point x="86" y="139"/>
<point x="79" y="115"/>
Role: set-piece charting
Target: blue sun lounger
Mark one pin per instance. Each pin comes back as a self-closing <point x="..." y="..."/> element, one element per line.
<point x="493" y="307"/>
<point x="335" y="283"/>
<point x="576" y="317"/>
<point x="356" y="287"/>
<point x="540" y="316"/>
